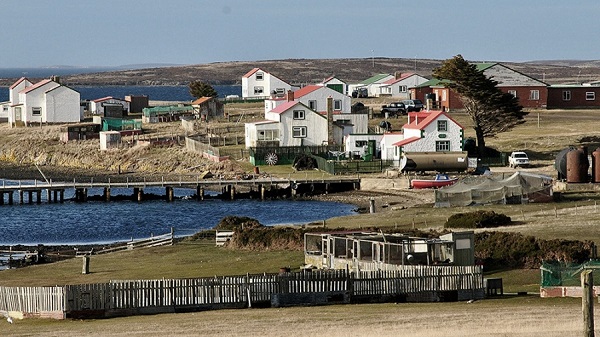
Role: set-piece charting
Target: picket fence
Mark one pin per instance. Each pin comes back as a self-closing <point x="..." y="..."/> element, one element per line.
<point x="133" y="297"/>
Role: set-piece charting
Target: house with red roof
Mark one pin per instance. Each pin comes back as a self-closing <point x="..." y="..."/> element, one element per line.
<point x="258" y="83"/>
<point x="429" y="131"/>
<point x="292" y="123"/>
<point x="100" y="106"/>
<point x="398" y="87"/>
<point x="46" y="101"/>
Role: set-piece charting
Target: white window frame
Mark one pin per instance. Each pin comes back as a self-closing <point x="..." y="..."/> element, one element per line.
<point x="260" y="76"/>
<point x="258" y="91"/>
<point x="442" y="125"/>
<point x="36" y="111"/>
<point x="402" y="88"/>
<point x="312" y="104"/>
<point x="299" y="114"/>
<point x="534" y="95"/>
<point x="268" y="135"/>
<point x="337" y="104"/>
<point x="442" y="145"/>
<point x="513" y="92"/>
<point x="299" y="131"/>
<point x="590" y="96"/>
<point x="566" y="95"/>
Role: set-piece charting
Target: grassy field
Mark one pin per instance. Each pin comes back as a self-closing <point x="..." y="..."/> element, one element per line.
<point x="574" y="218"/>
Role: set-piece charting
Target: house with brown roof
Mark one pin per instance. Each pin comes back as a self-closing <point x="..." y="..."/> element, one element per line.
<point x="206" y="108"/>
<point x="531" y="92"/>
<point x="258" y="83"/>
<point x="46" y="101"/>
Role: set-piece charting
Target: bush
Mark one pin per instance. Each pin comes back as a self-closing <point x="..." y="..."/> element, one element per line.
<point x="478" y="219"/>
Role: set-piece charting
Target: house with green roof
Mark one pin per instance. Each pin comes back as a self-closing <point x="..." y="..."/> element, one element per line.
<point x="372" y="84"/>
<point x="532" y="93"/>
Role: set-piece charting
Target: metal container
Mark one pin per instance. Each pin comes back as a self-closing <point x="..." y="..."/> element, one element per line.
<point x="596" y="166"/>
<point x="434" y="161"/>
<point x="577" y="166"/>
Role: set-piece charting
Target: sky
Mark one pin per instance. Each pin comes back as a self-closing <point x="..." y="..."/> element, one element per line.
<point x="40" y="33"/>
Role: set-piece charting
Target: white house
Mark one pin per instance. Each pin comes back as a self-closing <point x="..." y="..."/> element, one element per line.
<point x="357" y="145"/>
<point x="387" y="144"/>
<point x="44" y="102"/>
<point x="372" y="84"/>
<point x="398" y="87"/>
<point x="293" y="124"/>
<point x="258" y="83"/>
<point x="433" y="131"/>
<point x="97" y="106"/>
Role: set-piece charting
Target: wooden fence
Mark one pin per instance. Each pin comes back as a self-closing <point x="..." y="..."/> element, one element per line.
<point x="118" y="298"/>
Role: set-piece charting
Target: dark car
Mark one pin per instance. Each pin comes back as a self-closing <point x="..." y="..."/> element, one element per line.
<point x="394" y="109"/>
<point x="413" y="105"/>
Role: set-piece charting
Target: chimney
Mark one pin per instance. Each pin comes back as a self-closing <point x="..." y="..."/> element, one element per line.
<point x="290" y="96"/>
<point x="397" y="75"/>
<point x="330" y="138"/>
<point x="55" y="79"/>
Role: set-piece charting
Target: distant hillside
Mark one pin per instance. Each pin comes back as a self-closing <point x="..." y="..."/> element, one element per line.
<point x="308" y="71"/>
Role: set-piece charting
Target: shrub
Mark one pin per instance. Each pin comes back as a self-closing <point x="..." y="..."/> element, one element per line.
<point x="477" y="219"/>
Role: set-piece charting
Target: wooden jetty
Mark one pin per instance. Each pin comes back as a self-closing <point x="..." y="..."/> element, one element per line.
<point x="261" y="188"/>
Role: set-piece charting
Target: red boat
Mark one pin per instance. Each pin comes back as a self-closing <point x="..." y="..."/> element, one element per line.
<point x="440" y="180"/>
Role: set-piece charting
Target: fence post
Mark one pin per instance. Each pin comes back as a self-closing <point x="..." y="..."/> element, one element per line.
<point x="86" y="265"/>
<point x="587" y="302"/>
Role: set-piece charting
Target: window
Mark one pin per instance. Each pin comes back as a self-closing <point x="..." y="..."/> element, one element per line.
<point x="442" y="145"/>
<point x="402" y="88"/>
<point x="534" y="95"/>
<point x="513" y="92"/>
<point x="442" y="126"/>
<point x="298" y="114"/>
<point x="280" y="91"/>
<point x="590" y="96"/>
<point x="299" y="131"/>
<point x="566" y="95"/>
<point x="36" y="111"/>
<point x="258" y="90"/>
<point x="268" y="135"/>
<point x="361" y="143"/>
<point x="312" y="105"/>
<point x="260" y="76"/>
<point x="337" y="104"/>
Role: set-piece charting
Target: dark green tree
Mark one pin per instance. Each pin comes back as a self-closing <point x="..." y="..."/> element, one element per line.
<point x="202" y="89"/>
<point x="491" y="110"/>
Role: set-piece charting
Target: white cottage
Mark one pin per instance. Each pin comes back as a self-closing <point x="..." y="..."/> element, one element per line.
<point x="398" y="87"/>
<point x="293" y="124"/>
<point x="258" y="83"/>
<point x="336" y="84"/>
<point x="433" y="131"/>
<point x="44" y="102"/>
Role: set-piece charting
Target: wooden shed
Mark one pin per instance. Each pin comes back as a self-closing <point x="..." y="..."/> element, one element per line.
<point x="80" y="131"/>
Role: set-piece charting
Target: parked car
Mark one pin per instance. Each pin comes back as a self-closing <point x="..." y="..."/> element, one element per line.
<point x="413" y="105"/>
<point x="518" y="158"/>
<point x="394" y="109"/>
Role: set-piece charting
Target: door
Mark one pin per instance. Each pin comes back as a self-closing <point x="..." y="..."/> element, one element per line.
<point x="17" y="114"/>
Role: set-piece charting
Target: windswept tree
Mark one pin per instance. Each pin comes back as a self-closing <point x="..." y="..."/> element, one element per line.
<point x="491" y="110"/>
<point x="202" y="89"/>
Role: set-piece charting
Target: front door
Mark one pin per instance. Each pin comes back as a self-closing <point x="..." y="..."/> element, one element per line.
<point x="17" y="114"/>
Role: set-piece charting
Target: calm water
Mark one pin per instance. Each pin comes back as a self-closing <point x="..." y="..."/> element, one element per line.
<point x="155" y="93"/>
<point x="100" y="222"/>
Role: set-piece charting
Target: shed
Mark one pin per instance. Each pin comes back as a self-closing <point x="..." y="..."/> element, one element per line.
<point x="80" y="131"/>
<point x="109" y="140"/>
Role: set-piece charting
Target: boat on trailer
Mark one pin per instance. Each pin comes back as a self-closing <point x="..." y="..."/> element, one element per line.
<point x="440" y="180"/>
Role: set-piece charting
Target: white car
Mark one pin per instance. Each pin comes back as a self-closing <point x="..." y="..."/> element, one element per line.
<point x="518" y="158"/>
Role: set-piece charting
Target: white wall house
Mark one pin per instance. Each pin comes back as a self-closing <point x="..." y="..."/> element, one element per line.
<point x="258" y="83"/>
<point x="46" y="101"/>
<point x="399" y="86"/>
<point x="336" y="84"/>
<point x="357" y="145"/>
<point x="97" y="105"/>
<point x="387" y="144"/>
<point x="293" y="124"/>
<point x="372" y="84"/>
<point x="433" y="131"/>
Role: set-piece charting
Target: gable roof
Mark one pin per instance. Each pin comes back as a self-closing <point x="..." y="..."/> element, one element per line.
<point x="401" y="78"/>
<point x="201" y="100"/>
<point x="406" y="141"/>
<point x="306" y="90"/>
<point x="102" y="99"/>
<point x="375" y="78"/>
<point x="434" y="82"/>
<point x="35" y="86"/>
<point x="248" y="74"/>
<point x="283" y="107"/>
<point x="330" y="78"/>
<point x="429" y="118"/>
<point x="19" y="82"/>
<point x="484" y="66"/>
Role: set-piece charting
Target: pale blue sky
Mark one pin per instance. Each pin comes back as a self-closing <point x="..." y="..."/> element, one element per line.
<point x="120" y="32"/>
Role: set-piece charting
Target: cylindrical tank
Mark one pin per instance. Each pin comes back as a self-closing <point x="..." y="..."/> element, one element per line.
<point x="596" y="166"/>
<point x="577" y="166"/>
<point x="560" y="163"/>
<point x="435" y="161"/>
